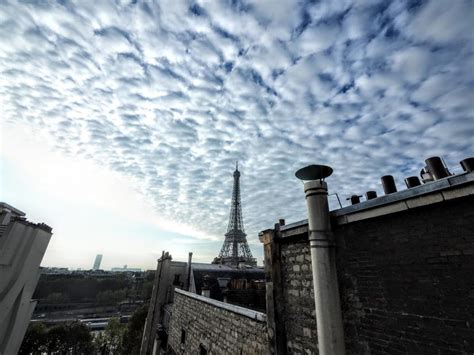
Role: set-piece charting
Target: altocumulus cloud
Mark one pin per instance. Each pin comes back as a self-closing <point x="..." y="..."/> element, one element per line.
<point x="171" y="93"/>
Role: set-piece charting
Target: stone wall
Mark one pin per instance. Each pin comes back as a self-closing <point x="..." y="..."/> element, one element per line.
<point x="220" y="328"/>
<point x="298" y="296"/>
<point x="406" y="279"/>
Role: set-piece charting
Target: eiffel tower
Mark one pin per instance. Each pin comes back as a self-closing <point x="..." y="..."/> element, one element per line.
<point x="235" y="249"/>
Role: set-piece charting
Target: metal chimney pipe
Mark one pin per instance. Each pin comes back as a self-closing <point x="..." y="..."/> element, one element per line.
<point x="467" y="164"/>
<point x="355" y="199"/>
<point x="188" y="276"/>
<point x="323" y="261"/>
<point x="412" y="181"/>
<point x="388" y="184"/>
<point x="370" y="195"/>
<point x="436" y="168"/>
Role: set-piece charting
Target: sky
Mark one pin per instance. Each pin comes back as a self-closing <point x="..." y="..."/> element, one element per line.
<point x="121" y="121"/>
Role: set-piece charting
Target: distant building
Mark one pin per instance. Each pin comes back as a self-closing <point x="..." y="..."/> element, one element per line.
<point x="97" y="261"/>
<point x="22" y="246"/>
<point x="125" y="268"/>
<point x="55" y="271"/>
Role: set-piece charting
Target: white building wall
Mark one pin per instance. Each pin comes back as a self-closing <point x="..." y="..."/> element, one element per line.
<point x="22" y="246"/>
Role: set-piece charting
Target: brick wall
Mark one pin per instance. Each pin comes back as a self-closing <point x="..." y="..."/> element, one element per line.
<point x="406" y="281"/>
<point x="209" y="324"/>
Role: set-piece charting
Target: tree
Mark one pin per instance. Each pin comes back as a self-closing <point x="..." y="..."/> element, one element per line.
<point x="34" y="341"/>
<point x="73" y="338"/>
<point x="114" y="333"/>
<point x="79" y="339"/>
<point x="132" y="336"/>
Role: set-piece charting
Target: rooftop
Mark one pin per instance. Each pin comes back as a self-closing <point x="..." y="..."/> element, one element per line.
<point x="448" y="188"/>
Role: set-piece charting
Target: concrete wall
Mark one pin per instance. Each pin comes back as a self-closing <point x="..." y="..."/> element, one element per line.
<point x="220" y="328"/>
<point x="405" y="273"/>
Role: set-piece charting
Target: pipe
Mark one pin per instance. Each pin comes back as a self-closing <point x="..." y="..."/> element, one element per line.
<point x="388" y="184"/>
<point x="436" y="168"/>
<point x="355" y="199"/>
<point x="188" y="279"/>
<point x="369" y="195"/>
<point x="467" y="164"/>
<point x="412" y="181"/>
<point x="323" y="263"/>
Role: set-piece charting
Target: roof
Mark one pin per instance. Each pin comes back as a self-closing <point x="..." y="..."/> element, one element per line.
<point x="217" y="272"/>
<point x="437" y="191"/>
<point x="4" y="205"/>
<point x="224" y="268"/>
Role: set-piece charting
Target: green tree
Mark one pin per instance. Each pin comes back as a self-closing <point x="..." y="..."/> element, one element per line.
<point x="73" y="338"/>
<point x="79" y="339"/>
<point x="57" y="341"/>
<point x="132" y="336"/>
<point x="34" y="341"/>
<point x="111" y="340"/>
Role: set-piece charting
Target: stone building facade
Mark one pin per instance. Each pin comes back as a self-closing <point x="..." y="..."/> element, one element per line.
<point x="200" y="325"/>
<point x="22" y="246"/>
<point x="405" y="268"/>
<point x="237" y="286"/>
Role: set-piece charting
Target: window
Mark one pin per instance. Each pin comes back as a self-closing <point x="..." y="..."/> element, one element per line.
<point x="202" y="350"/>
<point x="183" y="336"/>
<point x="176" y="281"/>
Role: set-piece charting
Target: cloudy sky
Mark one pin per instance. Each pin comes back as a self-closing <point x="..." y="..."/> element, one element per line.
<point x="121" y="121"/>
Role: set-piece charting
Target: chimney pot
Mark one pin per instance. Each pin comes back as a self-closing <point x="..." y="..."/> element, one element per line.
<point x="437" y="168"/>
<point x="467" y="164"/>
<point x="355" y="199"/>
<point x="369" y="195"/>
<point x="388" y="184"/>
<point x="412" y="181"/>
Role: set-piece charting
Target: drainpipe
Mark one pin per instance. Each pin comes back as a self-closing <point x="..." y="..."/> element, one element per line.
<point x="323" y="261"/>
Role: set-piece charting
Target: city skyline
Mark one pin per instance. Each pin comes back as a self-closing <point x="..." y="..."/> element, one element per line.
<point x="121" y="121"/>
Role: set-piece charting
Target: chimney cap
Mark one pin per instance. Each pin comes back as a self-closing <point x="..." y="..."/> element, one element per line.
<point x="314" y="172"/>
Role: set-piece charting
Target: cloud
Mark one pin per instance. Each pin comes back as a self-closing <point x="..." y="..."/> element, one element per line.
<point x="170" y="94"/>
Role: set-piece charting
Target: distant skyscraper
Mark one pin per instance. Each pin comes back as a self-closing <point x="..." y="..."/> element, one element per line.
<point x="22" y="246"/>
<point x="235" y="249"/>
<point x="98" y="260"/>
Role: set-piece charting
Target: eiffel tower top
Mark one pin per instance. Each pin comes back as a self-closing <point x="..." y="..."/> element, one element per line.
<point x="235" y="249"/>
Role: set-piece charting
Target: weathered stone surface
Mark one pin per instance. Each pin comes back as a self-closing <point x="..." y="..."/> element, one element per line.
<point x="219" y="330"/>
<point x="298" y="297"/>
